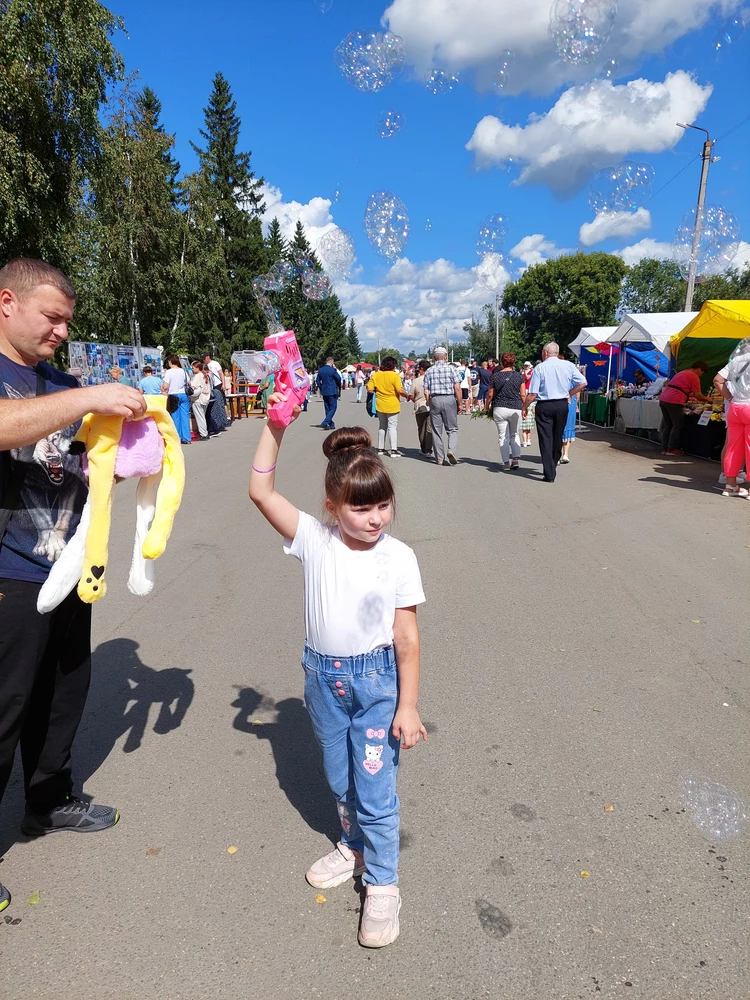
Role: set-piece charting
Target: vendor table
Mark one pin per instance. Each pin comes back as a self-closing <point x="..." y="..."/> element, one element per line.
<point x="596" y="410"/>
<point x="238" y="404"/>
<point x="706" y="441"/>
<point x="639" y="413"/>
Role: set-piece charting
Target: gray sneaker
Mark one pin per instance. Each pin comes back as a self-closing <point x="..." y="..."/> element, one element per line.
<point x="452" y="458"/>
<point x="75" y="815"/>
<point x="379" y="924"/>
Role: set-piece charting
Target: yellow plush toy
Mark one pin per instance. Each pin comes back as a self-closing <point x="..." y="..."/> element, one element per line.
<point x="148" y="449"/>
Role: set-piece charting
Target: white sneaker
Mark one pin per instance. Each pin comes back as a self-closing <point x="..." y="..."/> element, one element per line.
<point x="452" y="458"/>
<point x="335" y="868"/>
<point x="379" y="924"/>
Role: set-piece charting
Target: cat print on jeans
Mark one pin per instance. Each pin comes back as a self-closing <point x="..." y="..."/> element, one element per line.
<point x="372" y="761"/>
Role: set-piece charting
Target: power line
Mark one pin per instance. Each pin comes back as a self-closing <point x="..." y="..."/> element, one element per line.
<point x="733" y="128"/>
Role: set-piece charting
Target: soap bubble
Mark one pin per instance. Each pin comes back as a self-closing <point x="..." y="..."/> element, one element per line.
<point x="719" y="242"/>
<point x="336" y="247"/>
<point x="611" y="69"/>
<point x="501" y="75"/>
<point x="440" y="82"/>
<point x="387" y="224"/>
<point x="323" y="5"/>
<point x="491" y="235"/>
<point x="623" y="188"/>
<point x="336" y="193"/>
<point x="718" y="812"/>
<point x="428" y="225"/>
<point x="390" y="123"/>
<point x="500" y="79"/>
<point x="491" y="272"/>
<point x="730" y="33"/>
<point x="581" y="28"/>
<point x="370" y="60"/>
<point x="507" y="58"/>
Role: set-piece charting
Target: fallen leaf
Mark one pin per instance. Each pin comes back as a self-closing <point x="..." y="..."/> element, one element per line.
<point x="153" y="851"/>
<point x="34" y="898"/>
<point x="232" y="850"/>
<point x="585" y="874"/>
<point x="609" y="809"/>
<point x="596" y="710"/>
<point x="695" y="621"/>
<point x="257" y="722"/>
<point x="320" y="898"/>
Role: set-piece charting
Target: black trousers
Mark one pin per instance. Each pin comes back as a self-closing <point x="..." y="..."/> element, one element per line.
<point x="551" y="417"/>
<point x="45" y="669"/>
<point x="672" y="419"/>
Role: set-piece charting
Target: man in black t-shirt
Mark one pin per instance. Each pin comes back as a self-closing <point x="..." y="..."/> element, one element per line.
<point x="484" y="384"/>
<point x="45" y="660"/>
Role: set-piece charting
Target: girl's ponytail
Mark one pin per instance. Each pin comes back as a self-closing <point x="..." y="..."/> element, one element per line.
<point x="355" y="474"/>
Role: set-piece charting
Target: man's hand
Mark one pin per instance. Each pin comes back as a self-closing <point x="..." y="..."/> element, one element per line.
<point x="407" y="726"/>
<point x="116" y="400"/>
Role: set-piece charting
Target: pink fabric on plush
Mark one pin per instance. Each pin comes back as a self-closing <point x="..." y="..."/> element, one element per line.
<point x="141" y="450"/>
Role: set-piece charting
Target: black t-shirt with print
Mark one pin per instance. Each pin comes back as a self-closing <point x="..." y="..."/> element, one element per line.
<point x="54" y="489"/>
<point x="507" y="386"/>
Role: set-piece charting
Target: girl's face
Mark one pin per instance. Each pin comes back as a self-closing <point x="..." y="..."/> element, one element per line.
<point x="361" y="527"/>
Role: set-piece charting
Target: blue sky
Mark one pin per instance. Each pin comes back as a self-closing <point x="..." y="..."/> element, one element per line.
<point x="311" y="133"/>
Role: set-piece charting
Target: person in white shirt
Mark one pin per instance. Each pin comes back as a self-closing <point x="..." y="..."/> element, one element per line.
<point x="201" y="395"/>
<point x="361" y="657"/>
<point x="216" y="374"/>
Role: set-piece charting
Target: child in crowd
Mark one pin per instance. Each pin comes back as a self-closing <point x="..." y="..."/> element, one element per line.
<point x="361" y="657"/>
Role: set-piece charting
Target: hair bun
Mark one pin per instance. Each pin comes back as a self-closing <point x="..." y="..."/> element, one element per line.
<point x="346" y="439"/>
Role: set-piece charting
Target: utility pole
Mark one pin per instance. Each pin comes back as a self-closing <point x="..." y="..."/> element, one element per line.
<point x="706" y="156"/>
<point x="497" y="326"/>
<point x="378" y="350"/>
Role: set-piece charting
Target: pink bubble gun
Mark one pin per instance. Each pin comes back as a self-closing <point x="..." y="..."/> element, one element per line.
<point x="291" y="377"/>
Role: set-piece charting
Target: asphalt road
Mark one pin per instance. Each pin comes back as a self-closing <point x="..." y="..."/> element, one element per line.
<point x="584" y="645"/>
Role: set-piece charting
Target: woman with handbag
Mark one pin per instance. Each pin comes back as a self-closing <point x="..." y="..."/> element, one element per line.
<point x="201" y="395"/>
<point x="505" y="400"/>
<point x="422" y="410"/>
<point x="178" y="397"/>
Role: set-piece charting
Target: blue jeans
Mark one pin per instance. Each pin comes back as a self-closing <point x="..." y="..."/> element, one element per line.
<point x="181" y="417"/>
<point x="352" y="701"/>
<point x="330" y="403"/>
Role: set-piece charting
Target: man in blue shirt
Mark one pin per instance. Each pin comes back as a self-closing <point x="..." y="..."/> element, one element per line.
<point x="150" y="384"/>
<point x="553" y="384"/>
<point x="329" y="381"/>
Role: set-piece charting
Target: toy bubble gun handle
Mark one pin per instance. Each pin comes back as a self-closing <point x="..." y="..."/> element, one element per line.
<point x="291" y="379"/>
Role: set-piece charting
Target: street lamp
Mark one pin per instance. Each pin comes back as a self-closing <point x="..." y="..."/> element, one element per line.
<point x="708" y="146"/>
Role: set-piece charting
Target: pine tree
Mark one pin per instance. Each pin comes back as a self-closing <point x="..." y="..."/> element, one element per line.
<point x="275" y="243"/>
<point x="227" y="190"/>
<point x="355" y="348"/>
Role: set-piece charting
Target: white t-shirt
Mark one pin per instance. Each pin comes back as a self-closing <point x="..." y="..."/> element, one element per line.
<point x="217" y="374"/>
<point x="351" y="596"/>
<point x="175" y="379"/>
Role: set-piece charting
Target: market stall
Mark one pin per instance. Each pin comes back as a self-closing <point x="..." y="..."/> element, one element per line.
<point x="95" y="360"/>
<point x="711" y="336"/>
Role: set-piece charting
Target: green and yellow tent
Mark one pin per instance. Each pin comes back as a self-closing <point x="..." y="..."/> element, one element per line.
<point x="711" y="336"/>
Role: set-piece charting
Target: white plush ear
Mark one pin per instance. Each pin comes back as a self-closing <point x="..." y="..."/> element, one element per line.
<point x="143" y="571"/>
<point x="67" y="571"/>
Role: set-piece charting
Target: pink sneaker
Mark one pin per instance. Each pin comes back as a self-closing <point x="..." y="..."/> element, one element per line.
<point x="335" y="868"/>
<point x="379" y="924"/>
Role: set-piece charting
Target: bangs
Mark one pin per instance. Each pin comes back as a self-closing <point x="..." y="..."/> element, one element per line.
<point x="364" y="482"/>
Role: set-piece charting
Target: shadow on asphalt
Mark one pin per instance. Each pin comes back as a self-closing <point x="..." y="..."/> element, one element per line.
<point x="122" y="694"/>
<point x="299" y="763"/>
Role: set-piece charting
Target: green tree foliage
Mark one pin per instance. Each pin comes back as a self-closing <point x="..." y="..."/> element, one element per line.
<point x="131" y="223"/>
<point x="733" y="284"/>
<point x="355" y="348"/>
<point x="387" y="352"/>
<point x="653" y="286"/>
<point x="57" y="60"/>
<point x="553" y="300"/>
<point x="275" y="243"/>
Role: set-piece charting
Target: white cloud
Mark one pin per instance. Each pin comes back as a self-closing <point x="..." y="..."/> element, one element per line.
<point x="645" y="248"/>
<point x="591" y="127"/>
<point x="535" y="249"/>
<point x="417" y="302"/>
<point x="617" y="225"/>
<point x="315" y="215"/>
<point x="472" y="34"/>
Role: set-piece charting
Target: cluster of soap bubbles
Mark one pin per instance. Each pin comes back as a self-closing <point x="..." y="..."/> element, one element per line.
<point x="387" y="224"/>
<point x="315" y="285"/>
<point x="720" y="237"/>
<point x="729" y="33"/>
<point x="502" y="73"/>
<point x="440" y="82"/>
<point x="623" y="188"/>
<point x="581" y="28"/>
<point x="390" y="123"/>
<point x="718" y="812"/>
<point x="370" y="60"/>
<point x="336" y="248"/>
<point x="491" y="235"/>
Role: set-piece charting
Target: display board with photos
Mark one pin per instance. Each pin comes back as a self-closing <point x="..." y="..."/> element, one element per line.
<point x="95" y="361"/>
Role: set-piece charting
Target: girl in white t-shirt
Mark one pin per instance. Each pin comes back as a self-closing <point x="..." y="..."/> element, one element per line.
<point x="361" y="657"/>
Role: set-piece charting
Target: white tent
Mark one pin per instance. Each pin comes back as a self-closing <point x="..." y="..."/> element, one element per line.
<point x="590" y="336"/>
<point x="650" y="328"/>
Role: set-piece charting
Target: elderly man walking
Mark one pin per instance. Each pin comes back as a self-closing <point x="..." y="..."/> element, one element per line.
<point x="553" y="384"/>
<point x="442" y="389"/>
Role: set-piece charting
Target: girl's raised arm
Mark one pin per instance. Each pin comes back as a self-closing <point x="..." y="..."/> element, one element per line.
<point x="277" y="510"/>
